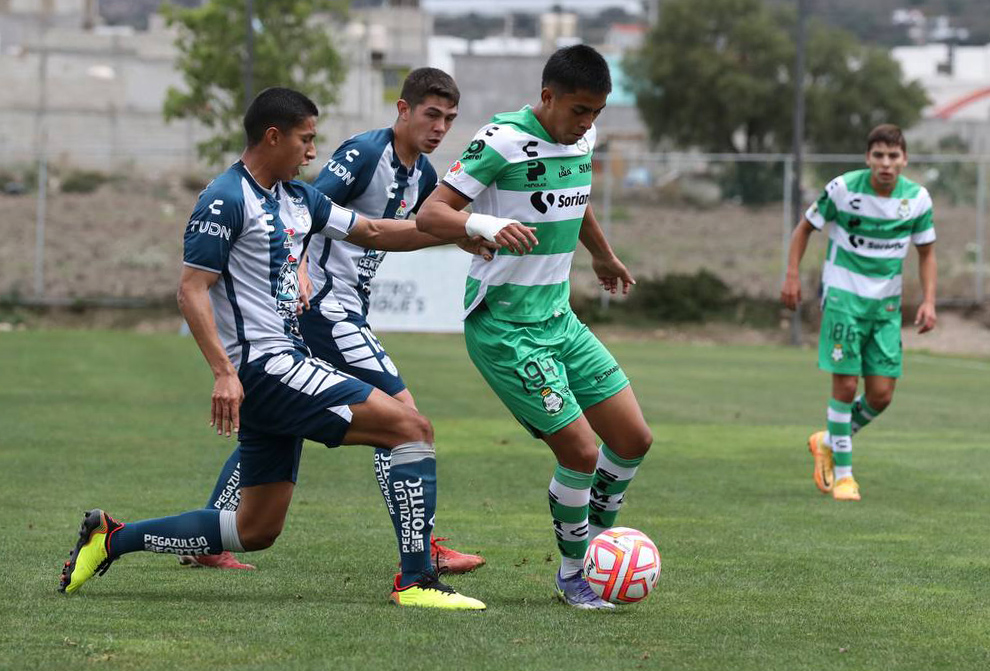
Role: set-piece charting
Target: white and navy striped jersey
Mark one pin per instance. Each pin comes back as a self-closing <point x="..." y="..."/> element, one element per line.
<point x="366" y="175"/>
<point x="253" y="238"/>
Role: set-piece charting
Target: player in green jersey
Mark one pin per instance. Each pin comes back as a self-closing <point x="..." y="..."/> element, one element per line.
<point x="527" y="176"/>
<point x="874" y="215"/>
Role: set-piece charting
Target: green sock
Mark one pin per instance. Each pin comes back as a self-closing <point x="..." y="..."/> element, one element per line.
<point x="840" y="437"/>
<point x="608" y="490"/>
<point x="569" y="494"/>
<point x="862" y="413"/>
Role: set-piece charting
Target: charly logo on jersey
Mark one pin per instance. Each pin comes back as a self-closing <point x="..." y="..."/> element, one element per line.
<point x="535" y="170"/>
<point x="340" y="171"/>
<point x="904" y="209"/>
<point x="474" y="150"/>
<point x="552" y="401"/>
<point x="530" y="149"/>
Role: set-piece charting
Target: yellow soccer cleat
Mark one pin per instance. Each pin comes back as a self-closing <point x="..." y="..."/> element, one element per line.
<point x="846" y="489"/>
<point x="91" y="552"/>
<point x="824" y="466"/>
<point x="429" y="592"/>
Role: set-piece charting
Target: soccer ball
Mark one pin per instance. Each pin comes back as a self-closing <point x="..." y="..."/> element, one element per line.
<point x="622" y="565"/>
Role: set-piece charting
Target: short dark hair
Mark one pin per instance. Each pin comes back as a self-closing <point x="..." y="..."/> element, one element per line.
<point x="423" y="82"/>
<point x="577" y="67"/>
<point x="279" y="107"/>
<point x="886" y="133"/>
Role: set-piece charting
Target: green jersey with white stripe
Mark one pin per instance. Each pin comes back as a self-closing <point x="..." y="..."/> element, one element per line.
<point x="868" y="241"/>
<point x="514" y="169"/>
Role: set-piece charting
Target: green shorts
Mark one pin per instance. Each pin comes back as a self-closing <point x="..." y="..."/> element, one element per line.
<point x="849" y="345"/>
<point x="546" y="373"/>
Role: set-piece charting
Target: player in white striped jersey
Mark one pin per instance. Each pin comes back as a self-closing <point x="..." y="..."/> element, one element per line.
<point x="873" y="217"/>
<point x="382" y="173"/>
<point x="239" y="293"/>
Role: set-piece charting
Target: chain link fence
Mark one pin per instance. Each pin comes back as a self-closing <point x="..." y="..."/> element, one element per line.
<point x="115" y="237"/>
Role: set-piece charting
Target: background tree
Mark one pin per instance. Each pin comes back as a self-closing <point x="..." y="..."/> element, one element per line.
<point x="292" y="47"/>
<point x="717" y="75"/>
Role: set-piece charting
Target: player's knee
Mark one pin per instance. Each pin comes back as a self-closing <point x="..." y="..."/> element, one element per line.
<point x="584" y="459"/>
<point x="845" y="389"/>
<point x="642" y="441"/>
<point x="259" y="538"/>
<point x="880" y="400"/>
<point x="414" y="428"/>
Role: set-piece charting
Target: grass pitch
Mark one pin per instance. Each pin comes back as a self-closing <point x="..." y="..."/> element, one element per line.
<point x="760" y="571"/>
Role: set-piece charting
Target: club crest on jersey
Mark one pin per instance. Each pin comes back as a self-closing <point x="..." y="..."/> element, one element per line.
<point x="837" y="354"/>
<point x="552" y="401"/>
<point x="583" y="146"/>
<point x="904" y="209"/>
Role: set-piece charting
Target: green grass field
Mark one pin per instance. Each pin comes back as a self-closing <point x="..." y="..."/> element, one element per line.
<point x="760" y="571"/>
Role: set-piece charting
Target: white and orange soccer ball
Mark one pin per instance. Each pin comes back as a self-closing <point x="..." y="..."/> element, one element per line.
<point x="622" y="565"/>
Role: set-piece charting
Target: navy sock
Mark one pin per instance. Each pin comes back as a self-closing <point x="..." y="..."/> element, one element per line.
<point x="193" y="533"/>
<point x="413" y="484"/>
<point x="227" y="492"/>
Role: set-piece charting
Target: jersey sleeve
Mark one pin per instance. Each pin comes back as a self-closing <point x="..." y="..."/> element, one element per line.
<point x="348" y="172"/>
<point x="824" y="209"/>
<point x="427" y="185"/>
<point x="215" y="224"/>
<point x="479" y="165"/>
<point x="923" y="231"/>
<point x="329" y="218"/>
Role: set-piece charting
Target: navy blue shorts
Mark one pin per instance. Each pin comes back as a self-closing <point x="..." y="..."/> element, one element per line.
<point x="350" y="345"/>
<point x="290" y="396"/>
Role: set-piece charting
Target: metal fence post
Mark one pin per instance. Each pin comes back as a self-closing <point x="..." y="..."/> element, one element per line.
<point x="981" y="210"/>
<point x="791" y="205"/>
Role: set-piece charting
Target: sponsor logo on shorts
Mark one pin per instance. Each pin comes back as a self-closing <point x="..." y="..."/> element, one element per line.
<point x="601" y="376"/>
<point x="552" y="401"/>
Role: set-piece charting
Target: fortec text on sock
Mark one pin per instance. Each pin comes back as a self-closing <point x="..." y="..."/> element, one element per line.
<point x="408" y="496"/>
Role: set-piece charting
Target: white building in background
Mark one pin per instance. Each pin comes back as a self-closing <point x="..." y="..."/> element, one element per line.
<point x="99" y="91"/>
<point x="957" y="81"/>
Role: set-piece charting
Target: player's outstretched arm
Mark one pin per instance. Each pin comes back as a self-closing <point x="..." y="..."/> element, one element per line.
<point x="194" y="303"/>
<point x="442" y="216"/>
<point x="391" y="235"/>
<point x="790" y="293"/>
<point x="607" y="266"/>
<point x="928" y="269"/>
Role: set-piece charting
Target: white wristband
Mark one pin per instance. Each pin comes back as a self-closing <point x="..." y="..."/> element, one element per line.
<point x="485" y="225"/>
